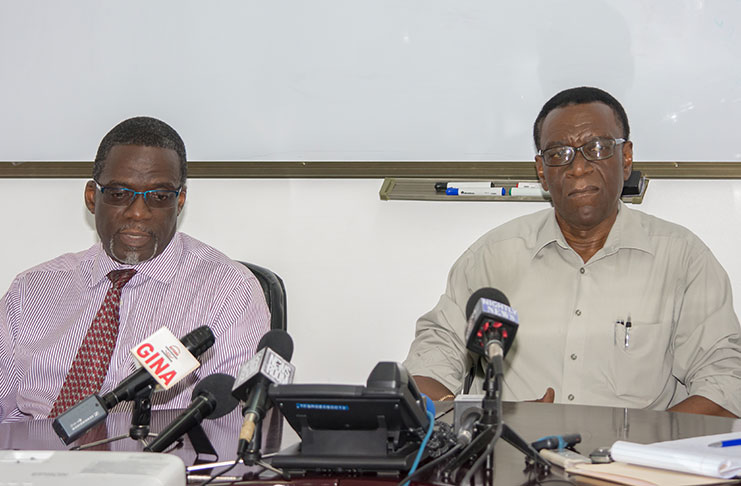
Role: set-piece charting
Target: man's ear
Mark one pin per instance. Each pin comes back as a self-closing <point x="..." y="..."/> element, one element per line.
<point x="90" y="190"/>
<point x="627" y="159"/>
<point x="539" y="170"/>
<point x="181" y="199"/>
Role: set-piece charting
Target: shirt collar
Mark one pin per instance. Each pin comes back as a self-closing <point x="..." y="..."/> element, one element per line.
<point x="161" y="268"/>
<point x="549" y="233"/>
<point x="626" y="232"/>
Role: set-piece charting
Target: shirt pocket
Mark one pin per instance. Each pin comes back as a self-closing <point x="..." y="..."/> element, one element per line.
<point x="641" y="364"/>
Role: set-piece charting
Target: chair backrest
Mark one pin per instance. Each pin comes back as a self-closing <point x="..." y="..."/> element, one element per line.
<point x="275" y="294"/>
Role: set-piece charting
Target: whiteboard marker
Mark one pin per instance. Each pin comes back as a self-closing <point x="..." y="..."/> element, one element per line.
<point x="487" y="191"/>
<point x="529" y="184"/>
<point x="529" y="191"/>
<point x="442" y="186"/>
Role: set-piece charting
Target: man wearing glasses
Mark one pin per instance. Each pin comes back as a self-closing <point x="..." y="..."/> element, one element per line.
<point x="617" y="307"/>
<point x="66" y="326"/>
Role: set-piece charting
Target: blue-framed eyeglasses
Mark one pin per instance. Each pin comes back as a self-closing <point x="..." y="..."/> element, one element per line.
<point x="154" y="198"/>
<point x="599" y="148"/>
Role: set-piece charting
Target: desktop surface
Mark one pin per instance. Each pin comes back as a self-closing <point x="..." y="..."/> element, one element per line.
<point x="598" y="426"/>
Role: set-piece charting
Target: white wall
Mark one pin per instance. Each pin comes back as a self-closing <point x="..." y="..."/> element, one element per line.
<point x="356" y="80"/>
<point x="358" y="270"/>
<point x="364" y="79"/>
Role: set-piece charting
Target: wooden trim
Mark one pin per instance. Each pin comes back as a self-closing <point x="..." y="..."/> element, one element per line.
<point x="370" y="170"/>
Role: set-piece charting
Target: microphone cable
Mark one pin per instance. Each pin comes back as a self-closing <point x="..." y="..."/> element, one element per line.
<point x="416" y="474"/>
<point x="229" y="468"/>
<point x="422" y="446"/>
<point x="497" y="434"/>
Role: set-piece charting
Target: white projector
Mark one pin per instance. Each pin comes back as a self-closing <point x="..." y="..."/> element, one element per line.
<point x="90" y="468"/>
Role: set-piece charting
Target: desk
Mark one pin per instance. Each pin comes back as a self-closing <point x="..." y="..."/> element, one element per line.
<point x="599" y="426"/>
<point x="223" y="433"/>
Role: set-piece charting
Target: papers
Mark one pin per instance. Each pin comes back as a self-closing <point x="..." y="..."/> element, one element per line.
<point x="621" y="473"/>
<point x="694" y="456"/>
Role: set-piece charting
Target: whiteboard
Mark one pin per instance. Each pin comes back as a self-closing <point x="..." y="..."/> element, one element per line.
<point x="364" y="80"/>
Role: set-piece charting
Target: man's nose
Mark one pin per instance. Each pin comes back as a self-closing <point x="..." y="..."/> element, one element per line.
<point x="580" y="164"/>
<point x="138" y="208"/>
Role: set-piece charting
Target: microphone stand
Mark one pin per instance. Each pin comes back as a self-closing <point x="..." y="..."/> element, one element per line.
<point x="253" y="457"/>
<point x="141" y="417"/>
<point x="492" y="406"/>
<point x="489" y="429"/>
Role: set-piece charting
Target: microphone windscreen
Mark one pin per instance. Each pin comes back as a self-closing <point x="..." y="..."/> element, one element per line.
<point x="198" y="340"/>
<point x="485" y="293"/>
<point x="279" y="341"/>
<point x="218" y="389"/>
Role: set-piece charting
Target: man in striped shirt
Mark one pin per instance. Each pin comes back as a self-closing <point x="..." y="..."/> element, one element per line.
<point x="138" y="190"/>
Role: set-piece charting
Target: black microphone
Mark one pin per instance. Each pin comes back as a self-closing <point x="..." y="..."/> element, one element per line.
<point x="92" y="410"/>
<point x="492" y="325"/>
<point x="212" y="398"/>
<point x="270" y="364"/>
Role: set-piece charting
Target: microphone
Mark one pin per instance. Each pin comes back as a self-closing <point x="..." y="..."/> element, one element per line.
<point x="271" y="364"/>
<point x="556" y="441"/>
<point x="492" y="325"/>
<point x="92" y="410"/>
<point x="212" y="398"/>
<point x="469" y="419"/>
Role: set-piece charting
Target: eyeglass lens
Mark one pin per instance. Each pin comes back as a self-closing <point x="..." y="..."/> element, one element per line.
<point x="156" y="198"/>
<point x="597" y="149"/>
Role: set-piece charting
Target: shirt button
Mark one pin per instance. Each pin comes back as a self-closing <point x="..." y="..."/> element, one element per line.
<point x="578" y="312"/>
<point x="581" y="270"/>
<point x="571" y="398"/>
<point x="573" y="356"/>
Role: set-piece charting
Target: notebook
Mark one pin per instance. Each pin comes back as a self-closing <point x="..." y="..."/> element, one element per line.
<point x="694" y="455"/>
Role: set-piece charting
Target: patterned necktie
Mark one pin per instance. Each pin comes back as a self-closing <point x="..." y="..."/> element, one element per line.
<point x="90" y="366"/>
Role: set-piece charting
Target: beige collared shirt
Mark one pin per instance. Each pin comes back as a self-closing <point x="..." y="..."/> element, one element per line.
<point x="684" y="340"/>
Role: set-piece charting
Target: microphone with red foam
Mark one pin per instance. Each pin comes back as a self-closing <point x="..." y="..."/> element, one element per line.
<point x="492" y="325"/>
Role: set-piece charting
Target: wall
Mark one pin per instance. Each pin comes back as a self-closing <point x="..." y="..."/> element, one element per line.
<point x="364" y="79"/>
<point x="358" y="270"/>
<point x="356" y="80"/>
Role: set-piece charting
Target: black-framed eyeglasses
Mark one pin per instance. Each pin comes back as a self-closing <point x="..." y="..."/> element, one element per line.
<point x="599" y="148"/>
<point x="154" y="198"/>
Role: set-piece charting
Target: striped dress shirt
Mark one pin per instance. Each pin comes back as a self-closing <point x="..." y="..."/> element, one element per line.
<point x="47" y="310"/>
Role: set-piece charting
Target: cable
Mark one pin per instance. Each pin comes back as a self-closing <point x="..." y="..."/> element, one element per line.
<point x="489" y="449"/>
<point x="497" y="434"/>
<point x="422" y="446"/>
<point x="430" y="465"/>
<point x="441" y="441"/>
<point x="209" y="480"/>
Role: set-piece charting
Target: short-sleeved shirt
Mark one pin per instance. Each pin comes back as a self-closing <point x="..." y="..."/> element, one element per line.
<point x="684" y="337"/>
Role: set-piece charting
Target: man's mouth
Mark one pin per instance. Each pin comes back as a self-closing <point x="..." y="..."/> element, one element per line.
<point x="584" y="191"/>
<point x="134" y="238"/>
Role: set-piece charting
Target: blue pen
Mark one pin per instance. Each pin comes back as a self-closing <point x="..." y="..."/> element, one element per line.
<point x="726" y="443"/>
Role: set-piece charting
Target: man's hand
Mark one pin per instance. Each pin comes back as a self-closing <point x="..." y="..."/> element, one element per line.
<point x="548" y="397"/>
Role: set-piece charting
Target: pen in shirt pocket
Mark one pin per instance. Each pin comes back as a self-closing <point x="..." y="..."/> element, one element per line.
<point x="626" y="326"/>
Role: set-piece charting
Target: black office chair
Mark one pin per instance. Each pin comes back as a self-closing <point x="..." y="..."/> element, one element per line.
<point x="275" y="294"/>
